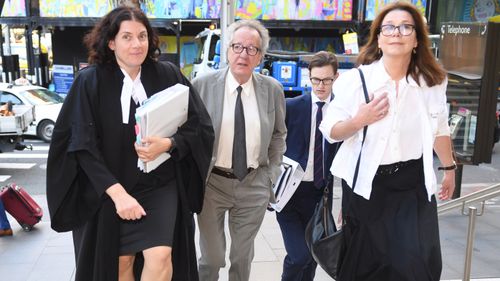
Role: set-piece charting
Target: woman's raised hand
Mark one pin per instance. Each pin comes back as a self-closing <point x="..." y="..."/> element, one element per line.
<point x="373" y="111"/>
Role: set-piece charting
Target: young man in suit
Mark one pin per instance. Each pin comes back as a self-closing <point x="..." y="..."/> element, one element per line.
<point x="306" y="145"/>
<point x="248" y="115"/>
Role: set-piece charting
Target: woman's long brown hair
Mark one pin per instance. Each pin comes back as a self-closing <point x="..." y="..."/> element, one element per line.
<point x="422" y="62"/>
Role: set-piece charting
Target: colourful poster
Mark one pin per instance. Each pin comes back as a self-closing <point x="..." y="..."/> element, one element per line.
<point x="481" y="10"/>
<point x="337" y="10"/>
<point x="374" y="6"/>
<point x="171" y="9"/>
<point x="175" y="9"/>
<point x="14" y="8"/>
<point x="75" y="8"/>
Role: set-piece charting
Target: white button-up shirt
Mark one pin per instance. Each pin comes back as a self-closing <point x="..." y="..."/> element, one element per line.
<point x="252" y="124"/>
<point x="424" y="115"/>
<point x="404" y="141"/>
<point x="309" y="172"/>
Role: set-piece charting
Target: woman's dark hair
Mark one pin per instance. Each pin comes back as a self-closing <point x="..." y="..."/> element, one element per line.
<point x="106" y="30"/>
<point x="422" y="61"/>
<point x="324" y="58"/>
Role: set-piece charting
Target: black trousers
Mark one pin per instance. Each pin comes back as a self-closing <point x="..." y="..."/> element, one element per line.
<point x="299" y="264"/>
<point x="393" y="236"/>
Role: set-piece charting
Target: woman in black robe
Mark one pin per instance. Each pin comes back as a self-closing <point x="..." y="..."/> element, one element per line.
<point x="119" y="215"/>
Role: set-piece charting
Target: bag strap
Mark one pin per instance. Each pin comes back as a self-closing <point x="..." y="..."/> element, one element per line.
<point x="365" y="128"/>
<point x="326" y="207"/>
<point x="356" y="171"/>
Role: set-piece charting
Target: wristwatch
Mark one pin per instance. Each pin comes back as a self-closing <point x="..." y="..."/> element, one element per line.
<point x="447" y="168"/>
<point x="173" y="145"/>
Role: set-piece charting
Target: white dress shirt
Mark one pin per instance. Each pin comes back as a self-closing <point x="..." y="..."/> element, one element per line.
<point x="418" y="112"/>
<point x="131" y="89"/>
<point x="252" y="124"/>
<point x="404" y="139"/>
<point x="309" y="172"/>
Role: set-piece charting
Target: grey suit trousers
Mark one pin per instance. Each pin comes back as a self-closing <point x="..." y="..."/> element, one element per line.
<point x="245" y="202"/>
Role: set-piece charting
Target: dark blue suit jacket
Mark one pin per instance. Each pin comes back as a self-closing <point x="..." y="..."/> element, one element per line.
<point x="298" y="124"/>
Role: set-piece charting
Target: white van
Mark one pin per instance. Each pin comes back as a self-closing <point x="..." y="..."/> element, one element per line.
<point x="208" y="57"/>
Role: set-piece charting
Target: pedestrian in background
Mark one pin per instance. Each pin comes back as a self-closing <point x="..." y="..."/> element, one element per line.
<point x="126" y="222"/>
<point x="305" y="144"/>
<point x="248" y="113"/>
<point x="5" y="229"/>
<point x="392" y="225"/>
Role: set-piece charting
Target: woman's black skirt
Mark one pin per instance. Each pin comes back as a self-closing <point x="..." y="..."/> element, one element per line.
<point x="393" y="236"/>
<point x="157" y="227"/>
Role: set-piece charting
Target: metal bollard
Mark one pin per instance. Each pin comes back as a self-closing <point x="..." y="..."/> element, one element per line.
<point x="470" y="242"/>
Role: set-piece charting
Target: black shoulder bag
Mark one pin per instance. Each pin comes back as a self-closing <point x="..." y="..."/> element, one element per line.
<point x="325" y="242"/>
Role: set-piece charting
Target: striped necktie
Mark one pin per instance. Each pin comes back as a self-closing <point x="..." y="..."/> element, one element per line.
<point x="319" y="175"/>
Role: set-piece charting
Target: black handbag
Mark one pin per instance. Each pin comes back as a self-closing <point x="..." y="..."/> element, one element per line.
<point x="325" y="242"/>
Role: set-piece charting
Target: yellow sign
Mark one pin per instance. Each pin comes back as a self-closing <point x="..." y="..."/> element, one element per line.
<point x="351" y="43"/>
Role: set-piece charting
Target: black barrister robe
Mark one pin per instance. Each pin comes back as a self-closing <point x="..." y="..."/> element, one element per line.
<point x="90" y="120"/>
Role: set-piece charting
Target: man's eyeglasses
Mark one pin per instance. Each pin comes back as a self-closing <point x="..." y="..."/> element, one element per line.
<point x="326" y="81"/>
<point x="238" y="49"/>
<point x="404" y="29"/>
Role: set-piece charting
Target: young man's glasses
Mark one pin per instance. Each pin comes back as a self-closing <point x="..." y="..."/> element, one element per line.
<point x="238" y="49"/>
<point x="404" y="29"/>
<point x="325" y="81"/>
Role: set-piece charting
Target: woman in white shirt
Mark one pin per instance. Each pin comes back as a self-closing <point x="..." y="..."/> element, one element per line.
<point x="392" y="228"/>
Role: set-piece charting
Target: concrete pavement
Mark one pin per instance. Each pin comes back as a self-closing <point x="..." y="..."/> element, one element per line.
<point x="43" y="255"/>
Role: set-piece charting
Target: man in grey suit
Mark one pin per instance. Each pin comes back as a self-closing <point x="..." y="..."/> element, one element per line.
<point x="248" y="114"/>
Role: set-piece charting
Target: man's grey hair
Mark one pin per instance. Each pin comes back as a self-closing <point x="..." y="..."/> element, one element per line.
<point x="253" y="24"/>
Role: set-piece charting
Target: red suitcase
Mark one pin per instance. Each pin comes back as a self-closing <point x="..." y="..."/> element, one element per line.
<point x="21" y="206"/>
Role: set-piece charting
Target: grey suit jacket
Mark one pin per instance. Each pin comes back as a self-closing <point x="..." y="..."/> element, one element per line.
<point x="271" y="103"/>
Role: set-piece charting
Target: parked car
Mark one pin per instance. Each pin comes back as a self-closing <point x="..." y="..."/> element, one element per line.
<point x="47" y="106"/>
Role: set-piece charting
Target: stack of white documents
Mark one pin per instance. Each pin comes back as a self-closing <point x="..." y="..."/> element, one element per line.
<point x="160" y="116"/>
<point x="290" y="178"/>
